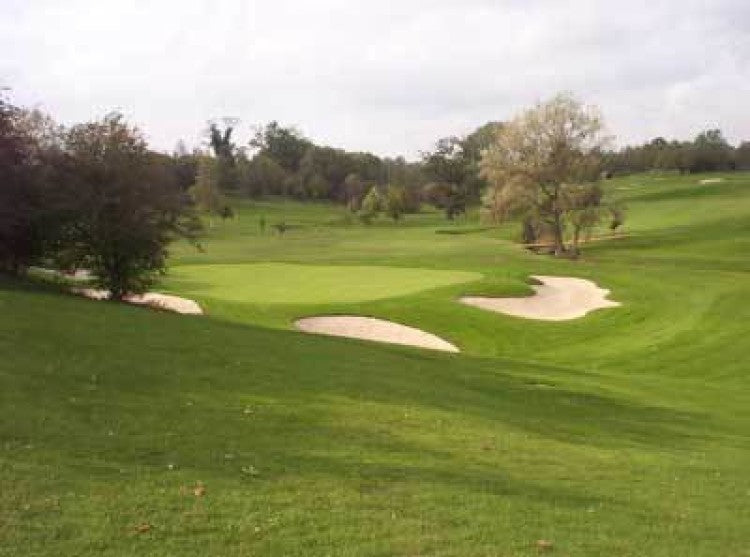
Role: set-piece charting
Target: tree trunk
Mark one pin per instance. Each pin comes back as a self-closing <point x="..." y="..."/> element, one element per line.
<point x="576" y="236"/>
<point x="558" y="234"/>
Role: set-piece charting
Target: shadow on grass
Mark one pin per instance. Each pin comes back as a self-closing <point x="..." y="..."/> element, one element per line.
<point x="192" y="390"/>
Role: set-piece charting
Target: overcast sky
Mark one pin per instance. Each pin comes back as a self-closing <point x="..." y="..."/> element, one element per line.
<point x="386" y="76"/>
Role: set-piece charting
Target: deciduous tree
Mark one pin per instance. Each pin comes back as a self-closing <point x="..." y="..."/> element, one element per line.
<point x="129" y="209"/>
<point x="541" y="152"/>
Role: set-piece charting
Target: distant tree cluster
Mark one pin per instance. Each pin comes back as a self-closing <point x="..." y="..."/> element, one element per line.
<point x="708" y="152"/>
<point x="280" y="161"/>
<point x="286" y="163"/>
<point x="452" y="172"/>
<point x="91" y="196"/>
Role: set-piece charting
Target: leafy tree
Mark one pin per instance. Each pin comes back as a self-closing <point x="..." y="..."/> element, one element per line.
<point x="708" y="152"/>
<point x="453" y="169"/>
<point x="225" y="151"/>
<point x="129" y="206"/>
<point x="501" y="203"/>
<point x="221" y="140"/>
<point x="316" y="187"/>
<point x="32" y="197"/>
<point x="583" y="208"/>
<point x="472" y="147"/>
<point x="354" y="190"/>
<point x="205" y="192"/>
<point x="395" y="202"/>
<point x="17" y="193"/>
<point x="226" y="212"/>
<point x="446" y="168"/>
<point x="185" y="165"/>
<point x="711" y="152"/>
<point x="617" y="216"/>
<point x="369" y="167"/>
<point x="286" y="146"/>
<point x="324" y="171"/>
<point x="371" y="205"/>
<point x="260" y="176"/>
<point x="742" y="156"/>
<point x="451" y="198"/>
<point x="446" y="163"/>
<point x="412" y="199"/>
<point x="542" y="151"/>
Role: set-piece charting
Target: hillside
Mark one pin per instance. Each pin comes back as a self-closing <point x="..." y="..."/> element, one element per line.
<point x="125" y="431"/>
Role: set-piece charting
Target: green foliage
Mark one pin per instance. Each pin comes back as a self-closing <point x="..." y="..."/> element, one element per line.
<point x="583" y="210"/>
<point x="617" y="214"/>
<point x="221" y="140"/>
<point x="316" y="187"/>
<point x="542" y="162"/>
<point x="454" y="166"/>
<point x="354" y="191"/>
<point x="260" y="176"/>
<point x="185" y="166"/>
<point x="19" y="193"/>
<point x="372" y="204"/>
<point x="225" y="152"/>
<point x="285" y="146"/>
<point x="394" y="203"/>
<point x="206" y="192"/>
<point x="708" y="152"/>
<point x="451" y="198"/>
<point x="742" y="156"/>
<point x="226" y="212"/>
<point x="127" y="206"/>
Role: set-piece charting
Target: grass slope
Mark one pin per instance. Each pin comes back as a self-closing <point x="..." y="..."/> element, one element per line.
<point x="624" y="433"/>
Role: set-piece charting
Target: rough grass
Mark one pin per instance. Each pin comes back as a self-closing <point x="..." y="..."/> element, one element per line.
<point x="624" y="433"/>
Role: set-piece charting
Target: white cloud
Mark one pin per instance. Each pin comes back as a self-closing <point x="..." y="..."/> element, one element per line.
<point x="388" y="76"/>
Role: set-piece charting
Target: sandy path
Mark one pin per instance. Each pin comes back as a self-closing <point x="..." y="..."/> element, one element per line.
<point x="557" y="299"/>
<point x="151" y="299"/>
<point x="711" y="181"/>
<point x="369" y="328"/>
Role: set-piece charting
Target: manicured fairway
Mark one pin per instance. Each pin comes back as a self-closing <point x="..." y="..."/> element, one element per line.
<point x="125" y="431"/>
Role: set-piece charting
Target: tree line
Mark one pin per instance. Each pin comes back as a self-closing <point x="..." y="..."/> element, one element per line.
<point x="709" y="151"/>
<point x="280" y="161"/>
<point x="94" y="196"/>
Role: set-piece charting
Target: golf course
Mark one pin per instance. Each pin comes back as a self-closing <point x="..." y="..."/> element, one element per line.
<point x="126" y="430"/>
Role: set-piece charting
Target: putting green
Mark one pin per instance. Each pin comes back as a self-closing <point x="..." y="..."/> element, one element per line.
<point x="286" y="283"/>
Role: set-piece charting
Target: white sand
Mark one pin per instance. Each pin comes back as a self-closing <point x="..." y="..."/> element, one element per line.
<point x="369" y="328"/>
<point x="711" y="181"/>
<point x="557" y="299"/>
<point x="151" y="299"/>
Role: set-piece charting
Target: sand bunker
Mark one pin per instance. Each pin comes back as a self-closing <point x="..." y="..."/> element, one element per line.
<point x="151" y="299"/>
<point x="556" y="299"/>
<point x="711" y="181"/>
<point x="369" y="328"/>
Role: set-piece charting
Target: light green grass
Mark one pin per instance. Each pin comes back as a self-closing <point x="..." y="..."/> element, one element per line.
<point x="625" y="433"/>
<point x="285" y="283"/>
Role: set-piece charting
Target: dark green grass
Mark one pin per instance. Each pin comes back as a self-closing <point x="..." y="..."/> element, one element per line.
<point x="624" y="433"/>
